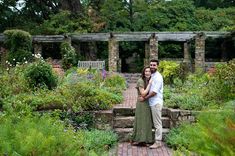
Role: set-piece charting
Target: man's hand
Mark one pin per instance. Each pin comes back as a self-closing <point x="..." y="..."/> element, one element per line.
<point x="141" y="99"/>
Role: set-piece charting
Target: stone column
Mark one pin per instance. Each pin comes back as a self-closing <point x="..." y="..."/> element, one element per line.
<point x="200" y="52"/>
<point x="187" y="56"/>
<point x="153" y="47"/>
<point x="37" y="48"/>
<point x="113" y="54"/>
<point x="147" y="53"/>
<point x="187" y="64"/>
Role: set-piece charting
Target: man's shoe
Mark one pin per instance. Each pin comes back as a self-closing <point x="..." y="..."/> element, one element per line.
<point x="155" y="145"/>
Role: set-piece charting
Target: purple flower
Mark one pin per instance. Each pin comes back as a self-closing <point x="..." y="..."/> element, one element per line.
<point x="104" y="73"/>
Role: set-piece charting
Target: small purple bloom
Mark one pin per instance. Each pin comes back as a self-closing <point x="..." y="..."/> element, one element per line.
<point x="104" y="73"/>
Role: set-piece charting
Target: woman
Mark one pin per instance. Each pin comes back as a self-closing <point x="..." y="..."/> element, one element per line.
<point x="143" y="120"/>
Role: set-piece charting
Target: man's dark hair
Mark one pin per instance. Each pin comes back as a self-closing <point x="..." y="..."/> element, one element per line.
<point x="154" y="60"/>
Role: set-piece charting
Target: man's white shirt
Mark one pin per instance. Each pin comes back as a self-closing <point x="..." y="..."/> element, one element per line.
<point x="157" y="87"/>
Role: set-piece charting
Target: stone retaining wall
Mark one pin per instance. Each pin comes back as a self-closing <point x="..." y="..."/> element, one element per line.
<point x="178" y="116"/>
<point x="104" y="119"/>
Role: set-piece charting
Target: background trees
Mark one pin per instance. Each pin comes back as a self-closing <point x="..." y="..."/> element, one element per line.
<point x="112" y="15"/>
<point x="75" y="16"/>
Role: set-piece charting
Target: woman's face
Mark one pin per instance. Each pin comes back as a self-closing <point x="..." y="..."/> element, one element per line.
<point x="147" y="73"/>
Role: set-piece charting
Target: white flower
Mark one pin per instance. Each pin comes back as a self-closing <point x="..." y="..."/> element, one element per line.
<point x="26" y="62"/>
<point x="14" y="59"/>
<point x="37" y="55"/>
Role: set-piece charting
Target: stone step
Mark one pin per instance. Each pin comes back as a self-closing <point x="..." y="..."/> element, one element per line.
<point x="124" y="134"/>
<point x="131" y="77"/>
<point x="127" y="111"/>
<point x="128" y="122"/>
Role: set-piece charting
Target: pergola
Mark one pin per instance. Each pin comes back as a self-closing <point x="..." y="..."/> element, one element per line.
<point x="150" y="39"/>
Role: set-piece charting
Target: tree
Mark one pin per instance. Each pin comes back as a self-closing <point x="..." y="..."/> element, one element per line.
<point x="74" y="6"/>
<point x="213" y="4"/>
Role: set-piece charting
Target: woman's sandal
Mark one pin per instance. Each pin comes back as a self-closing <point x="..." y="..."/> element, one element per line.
<point x="135" y="143"/>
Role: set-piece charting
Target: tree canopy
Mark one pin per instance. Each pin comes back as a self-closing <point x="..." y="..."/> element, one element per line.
<point x="68" y="16"/>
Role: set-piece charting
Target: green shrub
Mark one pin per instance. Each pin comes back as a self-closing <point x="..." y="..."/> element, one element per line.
<point x="84" y="120"/>
<point x="221" y="86"/>
<point x="89" y="97"/>
<point x="19" y="44"/>
<point x="169" y="70"/>
<point x="115" y="81"/>
<point x="98" y="141"/>
<point x="69" y="56"/>
<point x="213" y="134"/>
<point x="43" y="135"/>
<point x="185" y="101"/>
<point x="13" y="82"/>
<point x="41" y="100"/>
<point x="39" y="74"/>
<point x="33" y="135"/>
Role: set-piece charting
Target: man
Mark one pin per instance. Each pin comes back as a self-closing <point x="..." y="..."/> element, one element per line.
<point x="155" y="98"/>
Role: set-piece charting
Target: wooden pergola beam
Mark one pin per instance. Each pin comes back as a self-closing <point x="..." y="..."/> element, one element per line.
<point x="48" y="38"/>
<point x="144" y="36"/>
<point x="125" y="36"/>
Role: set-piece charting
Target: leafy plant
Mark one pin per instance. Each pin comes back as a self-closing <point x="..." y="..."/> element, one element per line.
<point x="69" y="56"/>
<point x="19" y="44"/>
<point x="115" y="81"/>
<point x="222" y="83"/>
<point x="103" y="140"/>
<point x="12" y="82"/>
<point x="213" y="134"/>
<point x="33" y="135"/>
<point x="169" y="70"/>
<point x="39" y="74"/>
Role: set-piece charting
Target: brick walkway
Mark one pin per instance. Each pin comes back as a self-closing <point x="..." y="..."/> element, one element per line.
<point x="130" y="97"/>
<point x="126" y="149"/>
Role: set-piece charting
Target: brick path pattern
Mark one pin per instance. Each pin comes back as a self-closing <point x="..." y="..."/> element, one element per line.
<point x="126" y="149"/>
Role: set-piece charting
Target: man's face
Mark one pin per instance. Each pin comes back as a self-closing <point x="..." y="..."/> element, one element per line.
<point x="153" y="67"/>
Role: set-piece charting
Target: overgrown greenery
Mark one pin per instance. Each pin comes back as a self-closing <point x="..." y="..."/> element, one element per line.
<point x="39" y="74"/>
<point x="212" y="134"/>
<point x="35" y="85"/>
<point x="63" y="17"/>
<point x="19" y="43"/>
<point x="169" y="70"/>
<point x="27" y="88"/>
<point x="200" y="91"/>
<point x="44" y="135"/>
<point x="69" y="56"/>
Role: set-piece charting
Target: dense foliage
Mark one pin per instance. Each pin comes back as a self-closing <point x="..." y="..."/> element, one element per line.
<point x="202" y="90"/>
<point x="212" y="134"/>
<point x="169" y="70"/>
<point x="30" y="87"/>
<point x="64" y="17"/>
<point x="69" y="56"/>
<point x="44" y="135"/>
<point x="19" y="44"/>
<point x="37" y="86"/>
<point x="40" y="74"/>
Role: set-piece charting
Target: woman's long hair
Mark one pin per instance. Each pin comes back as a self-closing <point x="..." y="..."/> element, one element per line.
<point x="146" y="81"/>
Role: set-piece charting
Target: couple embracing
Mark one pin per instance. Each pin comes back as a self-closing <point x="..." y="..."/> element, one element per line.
<point x="149" y="107"/>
